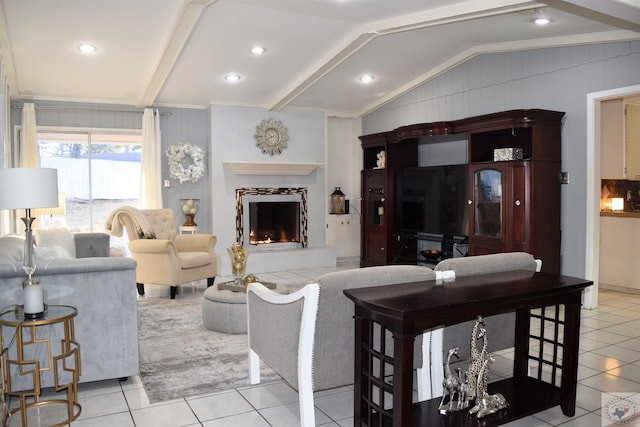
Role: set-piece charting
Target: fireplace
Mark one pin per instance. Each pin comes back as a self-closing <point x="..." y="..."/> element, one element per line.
<point x="271" y="218"/>
<point x="274" y="222"/>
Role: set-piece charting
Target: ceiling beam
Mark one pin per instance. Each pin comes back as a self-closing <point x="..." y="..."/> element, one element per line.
<point x="470" y="9"/>
<point x="189" y="17"/>
<point x="611" y="12"/>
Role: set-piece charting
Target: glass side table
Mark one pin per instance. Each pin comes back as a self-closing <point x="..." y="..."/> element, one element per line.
<point x="31" y="352"/>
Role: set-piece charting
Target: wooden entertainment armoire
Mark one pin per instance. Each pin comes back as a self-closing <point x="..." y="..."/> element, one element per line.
<point x="528" y="213"/>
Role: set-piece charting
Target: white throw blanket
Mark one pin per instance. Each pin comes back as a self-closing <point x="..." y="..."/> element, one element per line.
<point x="114" y="223"/>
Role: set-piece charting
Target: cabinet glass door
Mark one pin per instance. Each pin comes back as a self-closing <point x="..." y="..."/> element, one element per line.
<point x="487" y="193"/>
<point x="375" y="199"/>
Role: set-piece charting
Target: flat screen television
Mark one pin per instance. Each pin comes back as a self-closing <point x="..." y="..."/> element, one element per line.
<point x="432" y="200"/>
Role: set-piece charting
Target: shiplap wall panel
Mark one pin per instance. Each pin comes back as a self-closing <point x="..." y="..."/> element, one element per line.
<point x="554" y="78"/>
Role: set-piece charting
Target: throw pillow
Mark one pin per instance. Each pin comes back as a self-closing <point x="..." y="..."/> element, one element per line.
<point x="60" y="238"/>
<point x="49" y="253"/>
<point x="11" y="247"/>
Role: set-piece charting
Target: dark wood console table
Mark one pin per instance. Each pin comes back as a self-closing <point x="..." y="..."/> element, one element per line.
<point x="406" y="310"/>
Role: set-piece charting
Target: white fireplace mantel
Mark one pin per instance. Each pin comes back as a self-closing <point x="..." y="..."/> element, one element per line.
<point x="271" y="168"/>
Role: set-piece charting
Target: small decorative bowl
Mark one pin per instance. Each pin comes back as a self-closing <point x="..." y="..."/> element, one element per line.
<point x="431" y="254"/>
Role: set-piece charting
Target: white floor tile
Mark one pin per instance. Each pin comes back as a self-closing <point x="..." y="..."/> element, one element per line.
<point x="98" y="387"/>
<point x="249" y="419"/>
<point x="612" y="383"/>
<point x="219" y="405"/>
<point x="289" y="415"/>
<point x="338" y="406"/>
<point x="136" y="398"/>
<point x="269" y="395"/>
<point x="122" y="419"/>
<point x="628" y="372"/>
<point x="174" y="414"/>
<point x="588" y="420"/>
<point x="103" y="404"/>
<point x="626" y="355"/>
<point x="598" y="362"/>
<point x="132" y="383"/>
<point x="605" y="337"/>
<point x="588" y="398"/>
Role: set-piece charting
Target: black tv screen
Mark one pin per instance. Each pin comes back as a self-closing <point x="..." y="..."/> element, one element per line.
<point x="433" y="200"/>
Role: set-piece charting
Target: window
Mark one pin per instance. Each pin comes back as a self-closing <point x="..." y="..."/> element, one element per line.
<point x="98" y="171"/>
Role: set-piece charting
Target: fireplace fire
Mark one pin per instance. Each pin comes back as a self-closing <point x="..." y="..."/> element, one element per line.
<point x="274" y="222"/>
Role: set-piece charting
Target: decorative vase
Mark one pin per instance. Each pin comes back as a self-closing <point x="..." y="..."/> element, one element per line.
<point x="238" y="261"/>
<point x="190" y="208"/>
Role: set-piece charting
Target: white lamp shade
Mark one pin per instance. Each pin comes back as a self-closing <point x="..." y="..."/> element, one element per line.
<point x="60" y="209"/>
<point x="28" y="188"/>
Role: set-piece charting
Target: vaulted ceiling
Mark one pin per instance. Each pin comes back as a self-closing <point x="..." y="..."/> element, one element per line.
<point x="177" y="52"/>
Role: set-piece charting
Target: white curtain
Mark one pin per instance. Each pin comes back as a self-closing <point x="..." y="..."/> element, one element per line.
<point x="150" y="184"/>
<point x="28" y="153"/>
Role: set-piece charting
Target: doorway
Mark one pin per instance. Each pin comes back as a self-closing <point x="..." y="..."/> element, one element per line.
<point x="592" y="270"/>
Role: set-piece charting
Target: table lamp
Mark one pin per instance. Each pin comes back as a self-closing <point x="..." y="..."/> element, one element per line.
<point x="59" y="209"/>
<point x="29" y="188"/>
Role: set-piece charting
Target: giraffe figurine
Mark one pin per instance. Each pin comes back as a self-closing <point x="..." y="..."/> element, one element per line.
<point x="475" y="364"/>
<point x="450" y="384"/>
<point x="463" y="390"/>
<point x="483" y="375"/>
<point x="486" y="403"/>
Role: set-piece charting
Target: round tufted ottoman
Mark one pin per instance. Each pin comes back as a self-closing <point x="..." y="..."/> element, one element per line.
<point x="226" y="311"/>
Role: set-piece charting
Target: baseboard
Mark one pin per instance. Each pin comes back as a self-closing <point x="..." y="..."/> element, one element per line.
<point x="619" y="288"/>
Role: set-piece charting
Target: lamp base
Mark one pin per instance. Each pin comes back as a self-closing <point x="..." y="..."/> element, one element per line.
<point x="20" y="314"/>
<point x="34" y="315"/>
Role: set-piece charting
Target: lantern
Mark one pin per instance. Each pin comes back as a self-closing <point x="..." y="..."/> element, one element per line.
<point x="338" y="202"/>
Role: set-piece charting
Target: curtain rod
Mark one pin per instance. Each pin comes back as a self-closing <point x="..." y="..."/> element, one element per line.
<point x="104" y="110"/>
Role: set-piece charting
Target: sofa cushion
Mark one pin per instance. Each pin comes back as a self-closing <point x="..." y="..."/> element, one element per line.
<point x="58" y="238"/>
<point x="11" y="248"/>
<point x="494" y="263"/>
<point x="194" y="259"/>
<point x="48" y="253"/>
<point x="92" y="244"/>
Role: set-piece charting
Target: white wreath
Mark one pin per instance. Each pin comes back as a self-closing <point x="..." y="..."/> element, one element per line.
<point x="177" y="153"/>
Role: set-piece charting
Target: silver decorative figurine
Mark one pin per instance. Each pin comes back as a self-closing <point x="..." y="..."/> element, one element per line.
<point x="455" y="386"/>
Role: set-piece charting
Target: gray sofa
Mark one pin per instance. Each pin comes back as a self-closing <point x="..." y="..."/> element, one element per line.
<point x="334" y="337"/>
<point x="103" y="290"/>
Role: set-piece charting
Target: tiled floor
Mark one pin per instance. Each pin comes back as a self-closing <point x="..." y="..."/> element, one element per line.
<point x="609" y="363"/>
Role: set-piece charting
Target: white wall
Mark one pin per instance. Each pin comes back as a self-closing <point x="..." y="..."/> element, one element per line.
<point x="231" y="138"/>
<point x="344" y="155"/>
<point x="555" y="79"/>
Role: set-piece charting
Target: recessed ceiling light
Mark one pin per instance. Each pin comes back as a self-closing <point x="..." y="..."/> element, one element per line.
<point x="542" y="20"/>
<point x="367" y="78"/>
<point x="87" y="48"/>
<point x="257" y="50"/>
<point x="232" y="78"/>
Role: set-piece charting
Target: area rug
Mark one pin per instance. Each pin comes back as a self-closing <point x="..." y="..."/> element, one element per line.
<point x="179" y="357"/>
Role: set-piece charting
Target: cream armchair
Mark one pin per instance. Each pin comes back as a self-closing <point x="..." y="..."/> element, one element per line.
<point x="163" y="256"/>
